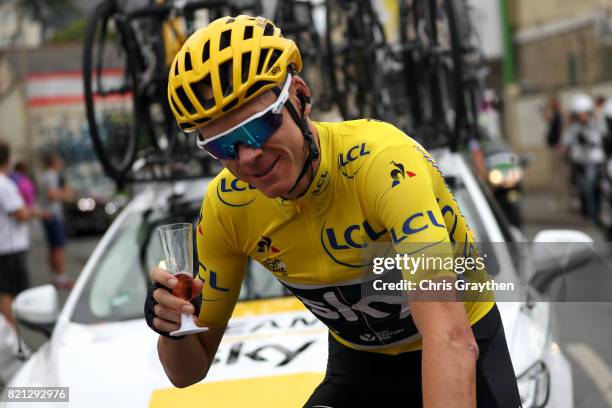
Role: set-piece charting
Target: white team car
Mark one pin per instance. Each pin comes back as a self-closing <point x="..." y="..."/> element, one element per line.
<point x="274" y="351"/>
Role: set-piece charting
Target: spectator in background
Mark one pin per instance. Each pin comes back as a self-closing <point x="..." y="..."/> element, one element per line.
<point x="25" y="185"/>
<point x="600" y="102"/>
<point x="607" y="114"/>
<point x="53" y="195"/>
<point x="584" y="139"/>
<point x="554" y="118"/>
<point x="14" y="238"/>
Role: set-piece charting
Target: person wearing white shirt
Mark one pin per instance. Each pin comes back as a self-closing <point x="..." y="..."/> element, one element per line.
<point x="14" y="238"/>
<point x="584" y="140"/>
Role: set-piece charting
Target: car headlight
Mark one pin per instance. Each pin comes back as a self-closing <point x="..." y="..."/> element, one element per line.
<point x="534" y="386"/>
<point x="110" y="208"/>
<point x="86" y="204"/>
<point x="496" y="177"/>
<point x="505" y="177"/>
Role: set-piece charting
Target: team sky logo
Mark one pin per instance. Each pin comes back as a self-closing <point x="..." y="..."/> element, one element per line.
<point x="398" y="173"/>
<point x="337" y="242"/>
<point x="351" y="155"/>
<point x="265" y="247"/>
<point x="322" y="183"/>
<point x="228" y="190"/>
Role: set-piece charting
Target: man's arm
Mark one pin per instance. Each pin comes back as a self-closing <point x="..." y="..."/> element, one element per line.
<point x="185" y="361"/>
<point x="220" y="272"/>
<point x="404" y="189"/>
<point x="449" y="354"/>
<point x="26" y="213"/>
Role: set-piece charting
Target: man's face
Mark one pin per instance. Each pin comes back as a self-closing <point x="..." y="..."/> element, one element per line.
<point x="274" y="167"/>
<point x="584" y="117"/>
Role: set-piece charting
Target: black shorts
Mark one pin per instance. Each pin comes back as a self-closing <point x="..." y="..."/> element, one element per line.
<point x="365" y="379"/>
<point x="14" y="277"/>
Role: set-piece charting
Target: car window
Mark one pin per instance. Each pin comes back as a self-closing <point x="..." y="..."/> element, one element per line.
<point x="117" y="288"/>
<point x="468" y="209"/>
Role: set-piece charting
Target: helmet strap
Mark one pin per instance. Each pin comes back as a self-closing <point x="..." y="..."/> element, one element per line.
<point x="313" y="150"/>
<point x="302" y="123"/>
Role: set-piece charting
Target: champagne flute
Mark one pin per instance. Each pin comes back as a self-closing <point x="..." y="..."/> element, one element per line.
<point x="177" y="243"/>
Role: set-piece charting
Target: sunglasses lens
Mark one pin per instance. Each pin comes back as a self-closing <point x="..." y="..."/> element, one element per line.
<point x="253" y="134"/>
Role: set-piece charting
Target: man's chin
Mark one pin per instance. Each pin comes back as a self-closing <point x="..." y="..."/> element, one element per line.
<point x="273" y="191"/>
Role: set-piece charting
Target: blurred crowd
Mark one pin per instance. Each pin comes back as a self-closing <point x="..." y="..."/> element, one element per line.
<point x="21" y="202"/>
<point x="581" y="142"/>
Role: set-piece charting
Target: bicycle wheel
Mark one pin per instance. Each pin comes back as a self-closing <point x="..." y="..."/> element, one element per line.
<point x="354" y="39"/>
<point x="109" y="90"/>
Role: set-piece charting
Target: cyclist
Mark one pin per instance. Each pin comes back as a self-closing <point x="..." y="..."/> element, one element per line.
<point x="304" y="198"/>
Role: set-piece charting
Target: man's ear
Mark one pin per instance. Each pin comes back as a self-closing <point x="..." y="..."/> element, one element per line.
<point x="301" y="95"/>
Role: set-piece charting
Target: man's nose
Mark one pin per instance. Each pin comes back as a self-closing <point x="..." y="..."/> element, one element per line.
<point x="248" y="155"/>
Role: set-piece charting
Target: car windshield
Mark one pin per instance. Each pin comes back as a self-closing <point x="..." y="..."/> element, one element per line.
<point x="116" y="289"/>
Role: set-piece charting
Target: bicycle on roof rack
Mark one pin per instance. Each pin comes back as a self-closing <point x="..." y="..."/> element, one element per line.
<point x="432" y="59"/>
<point x="126" y="57"/>
<point x="428" y="83"/>
<point x="297" y="21"/>
<point x="357" y="58"/>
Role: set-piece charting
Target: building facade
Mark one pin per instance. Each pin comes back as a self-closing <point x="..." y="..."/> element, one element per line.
<point x="560" y="47"/>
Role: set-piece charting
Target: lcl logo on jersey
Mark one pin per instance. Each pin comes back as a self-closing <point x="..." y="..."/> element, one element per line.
<point x="336" y="239"/>
<point x="414" y="224"/>
<point x="398" y="173"/>
<point x="227" y="189"/>
<point x="265" y="247"/>
<point x="351" y="155"/>
<point x="322" y="183"/>
<point x="211" y="278"/>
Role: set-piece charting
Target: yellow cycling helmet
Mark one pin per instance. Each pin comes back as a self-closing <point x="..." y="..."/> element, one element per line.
<point x="226" y="64"/>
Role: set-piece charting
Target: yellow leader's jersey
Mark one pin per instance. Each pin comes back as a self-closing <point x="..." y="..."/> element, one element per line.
<point x="373" y="184"/>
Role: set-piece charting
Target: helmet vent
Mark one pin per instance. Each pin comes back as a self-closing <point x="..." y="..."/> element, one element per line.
<point x="186" y="125"/>
<point x="230" y="105"/>
<point x="201" y="121"/>
<point x="256" y="87"/>
<point x="206" y="52"/>
<point x="180" y="92"/>
<point x="225" y="77"/>
<point x="176" y="109"/>
<point x="188" y="66"/>
<point x="262" y="58"/>
<point x="230" y="21"/>
<point x="245" y="67"/>
<point x="248" y="32"/>
<point x="225" y="40"/>
<point x="275" y="55"/>
<point x="268" y="29"/>
<point x="176" y="70"/>
<point x="200" y="89"/>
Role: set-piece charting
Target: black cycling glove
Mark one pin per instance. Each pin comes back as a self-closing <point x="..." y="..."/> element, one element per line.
<point x="149" y="309"/>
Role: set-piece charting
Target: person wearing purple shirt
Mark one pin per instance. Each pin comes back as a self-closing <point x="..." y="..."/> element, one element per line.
<point x="24" y="183"/>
